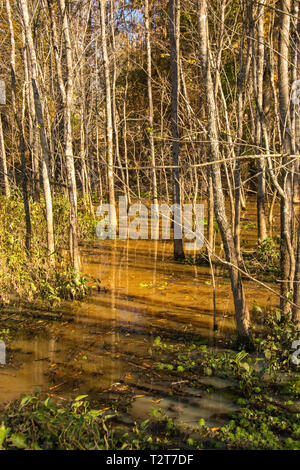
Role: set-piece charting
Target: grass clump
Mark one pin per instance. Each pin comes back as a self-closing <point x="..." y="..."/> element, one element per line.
<point x="33" y="276"/>
<point x="265" y="382"/>
<point x="38" y="424"/>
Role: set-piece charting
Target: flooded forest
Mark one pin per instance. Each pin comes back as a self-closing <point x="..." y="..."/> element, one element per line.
<point x="150" y="225"/>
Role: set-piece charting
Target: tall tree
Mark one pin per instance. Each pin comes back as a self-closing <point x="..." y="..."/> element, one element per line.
<point x="259" y="57"/>
<point x="71" y="177"/>
<point x="150" y="98"/>
<point x="109" y="119"/>
<point x="241" y="307"/>
<point x="20" y="127"/>
<point x="33" y="65"/>
<point x="287" y="252"/>
<point x="174" y="25"/>
<point x="4" y="161"/>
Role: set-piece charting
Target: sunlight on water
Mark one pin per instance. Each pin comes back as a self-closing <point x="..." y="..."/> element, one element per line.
<point x="143" y="294"/>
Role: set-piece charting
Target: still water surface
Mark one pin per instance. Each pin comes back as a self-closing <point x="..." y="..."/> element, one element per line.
<point x="95" y="343"/>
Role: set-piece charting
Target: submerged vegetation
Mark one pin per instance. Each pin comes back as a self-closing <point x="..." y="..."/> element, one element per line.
<point x="264" y="386"/>
<point x="266" y="395"/>
<point x="191" y="106"/>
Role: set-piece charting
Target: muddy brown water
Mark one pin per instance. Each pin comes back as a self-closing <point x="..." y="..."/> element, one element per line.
<point x="101" y="345"/>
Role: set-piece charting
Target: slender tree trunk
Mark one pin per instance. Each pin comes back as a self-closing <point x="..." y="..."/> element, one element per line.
<point x="40" y="119"/>
<point x="241" y="308"/>
<point x="296" y="181"/>
<point x="60" y="84"/>
<point x="4" y="161"/>
<point x="125" y="137"/>
<point x="174" y="8"/>
<point x="71" y="177"/>
<point x="33" y="128"/>
<point x="238" y="193"/>
<point x="210" y="212"/>
<point x="114" y="101"/>
<point x="286" y="249"/>
<point x="150" y="98"/>
<point x="109" y="121"/>
<point x="20" y="127"/>
<point x="259" y="79"/>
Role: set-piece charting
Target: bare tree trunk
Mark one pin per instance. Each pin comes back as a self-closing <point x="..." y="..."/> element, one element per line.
<point x="40" y="119"/>
<point x="71" y="177"/>
<point x="210" y="212"/>
<point x="20" y="127"/>
<point x="241" y="308"/>
<point x="174" y="7"/>
<point x="3" y="161"/>
<point x="114" y="101"/>
<point x="150" y="98"/>
<point x="33" y="128"/>
<point x="109" y="121"/>
<point x="125" y="136"/>
<point x="296" y="182"/>
<point x="60" y="134"/>
<point x="259" y="84"/>
<point x="237" y="170"/>
<point x="286" y="249"/>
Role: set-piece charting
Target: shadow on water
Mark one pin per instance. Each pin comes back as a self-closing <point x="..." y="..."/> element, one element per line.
<point x="97" y="344"/>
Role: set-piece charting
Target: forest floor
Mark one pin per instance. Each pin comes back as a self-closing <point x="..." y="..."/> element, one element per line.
<point x="136" y="365"/>
<point x="183" y="394"/>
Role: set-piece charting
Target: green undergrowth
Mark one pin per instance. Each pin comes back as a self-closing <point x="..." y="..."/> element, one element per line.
<point x="266" y="382"/>
<point x="38" y="275"/>
<point x="265" y="388"/>
<point x="263" y="261"/>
